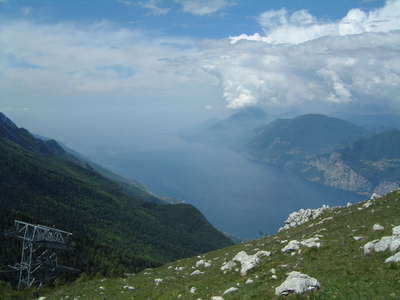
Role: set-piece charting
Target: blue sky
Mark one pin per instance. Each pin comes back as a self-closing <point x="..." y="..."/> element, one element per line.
<point x="192" y="60"/>
<point x="169" y="17"/>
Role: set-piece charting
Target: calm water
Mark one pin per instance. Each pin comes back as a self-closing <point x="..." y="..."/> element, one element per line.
<point x="236" y="195"/>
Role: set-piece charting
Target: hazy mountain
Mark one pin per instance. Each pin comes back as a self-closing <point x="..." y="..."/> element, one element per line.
<point x="43" y="186"/>
<point x="284" y="140"/>
<point x="233" y="131"/>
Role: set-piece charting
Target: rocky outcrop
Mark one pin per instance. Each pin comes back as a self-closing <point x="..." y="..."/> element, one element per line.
<point x="332" y="171"/>
<point x="302" y="216"/>
<point x="386" y="187"/>
<point x="297" y="283"/>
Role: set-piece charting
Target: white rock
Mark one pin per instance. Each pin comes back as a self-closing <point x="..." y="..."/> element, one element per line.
<point x="263" y="253"/>
<point x="358" y="238"/>
<point x="274" y="277"/>
<point x="230" y="290"/>
<point x="375" y="196"/>
<point x="42" y="298"/>
<point x="391" y="243"/>
<point x="302" y="216"/>
<point x="311" y="243"/>
<point x="367" y="204"/>
<point x="157" y="281"/>
<point x="203" y="263"/>
<point x="193" y="290"/>
<point x="217" y="298"/>
<point x="273" y="271"/>
<point x="196" y="272"/>
<point x="377" y="227"/>
<point x="396" y="230"/>
<point x="247" y="262"/>
<point x="228" y="266"/>
<point x="128" y="287"/>
<point x="369" y="247"/>
<point x="297" y="283"/>
<point x="393" y="258"/>
<point x="291" y="246"/>
<point x="249" y="281"/>
<point x="101" y="288"/>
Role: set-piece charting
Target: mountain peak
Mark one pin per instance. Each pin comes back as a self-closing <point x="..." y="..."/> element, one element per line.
<point x="5" y="121"/>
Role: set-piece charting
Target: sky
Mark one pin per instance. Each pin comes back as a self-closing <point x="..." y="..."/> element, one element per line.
<point x="199" y="56"/>
<point x="111" y="77"/>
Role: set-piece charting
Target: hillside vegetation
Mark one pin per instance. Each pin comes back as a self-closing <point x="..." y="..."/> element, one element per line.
<point x="113" y="230"/>
<point x="339" y="264"/>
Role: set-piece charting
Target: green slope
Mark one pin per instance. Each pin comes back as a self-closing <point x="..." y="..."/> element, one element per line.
<point x="110" y="226"/>
<point x="340" y="265"/>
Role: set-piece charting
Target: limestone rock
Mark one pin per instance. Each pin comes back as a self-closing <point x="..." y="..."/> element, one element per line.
<point x="228" y="266"/>
<point x="393" y="258"/>
<point x="377" y="227"/>
<point x="302" y="216"/>
<point x="396" y="230"/>
<point x="231" y="290"/>
<point x="247" y="262"/>
<point x="297" y="283"/>
<point x="291" y="246"/>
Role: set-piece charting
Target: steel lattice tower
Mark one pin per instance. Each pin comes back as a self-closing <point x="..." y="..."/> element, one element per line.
<point x="38" y="256"/>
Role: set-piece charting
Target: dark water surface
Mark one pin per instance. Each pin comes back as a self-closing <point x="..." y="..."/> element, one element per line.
<point x="238" y="196"/>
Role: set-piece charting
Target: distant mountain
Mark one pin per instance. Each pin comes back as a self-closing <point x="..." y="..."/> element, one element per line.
<point x="376" y="122"/>
<point x="233" y="131"/>
<point x="114" y="231"/>
<point x="368" y="165"/>
<point x="285" y="140"/>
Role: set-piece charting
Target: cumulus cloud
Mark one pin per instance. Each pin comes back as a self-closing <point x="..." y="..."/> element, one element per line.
<point x="280" y="26"/>
<point x="299" y="61"/>
<point x="203" y="7"/>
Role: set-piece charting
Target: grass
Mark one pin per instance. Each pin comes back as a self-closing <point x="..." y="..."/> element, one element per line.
<point x="342" y="269"/>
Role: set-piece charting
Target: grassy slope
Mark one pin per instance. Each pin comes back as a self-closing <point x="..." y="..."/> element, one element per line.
<point x="53" y="191"/>
<point x="340" y="265"/>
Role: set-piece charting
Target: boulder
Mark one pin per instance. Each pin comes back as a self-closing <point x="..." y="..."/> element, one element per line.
<point x="231" y="290"/>
<point x="291" y="246"/>
<point x="297" y="283"/>
<point x="394" y="258"/>
<point x="247" y="262"/>
<point x="396" y="230"/>
<point x="377" y="227"/>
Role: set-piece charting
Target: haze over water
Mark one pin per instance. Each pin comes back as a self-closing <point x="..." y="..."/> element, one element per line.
<point x="238" y="196"/>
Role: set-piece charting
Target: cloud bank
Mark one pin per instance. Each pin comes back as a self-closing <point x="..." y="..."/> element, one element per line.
<point x="301" y="62"/>
<point x="280" y="69"/>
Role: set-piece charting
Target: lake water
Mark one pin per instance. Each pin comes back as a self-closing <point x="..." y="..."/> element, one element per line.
<point x="236" y="195"/>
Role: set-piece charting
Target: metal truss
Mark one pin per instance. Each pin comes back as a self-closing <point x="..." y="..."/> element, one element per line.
<point x="38" y="256"/>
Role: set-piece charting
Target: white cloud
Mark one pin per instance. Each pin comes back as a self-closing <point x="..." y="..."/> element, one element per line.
<point x="44" y="63"/>
<point x="303" y="63"/>
<point x="152" y="5"/>
<point x="280" y="26"/>
<point x="203" y="7"/>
